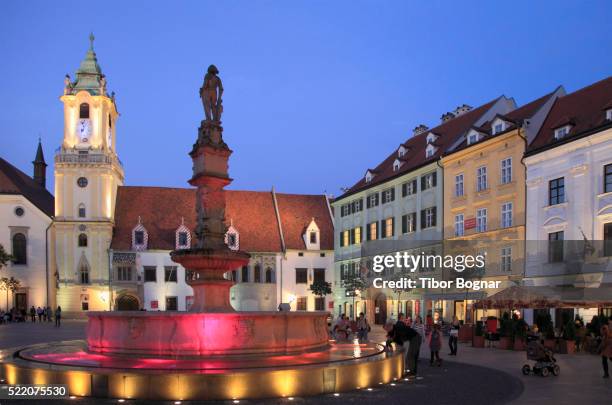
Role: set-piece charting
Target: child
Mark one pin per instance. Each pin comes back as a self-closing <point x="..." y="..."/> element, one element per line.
<point x="435" y="342"/>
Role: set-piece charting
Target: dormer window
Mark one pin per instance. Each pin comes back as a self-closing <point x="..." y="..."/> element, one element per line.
<point x="430" y="151"/>
<point x="312" y="236"/>
<point x="609" y="114"/>
<point x="562" y="132"/>
<point x="368" y="177"/>
<point x="232" y="238"/>
<point x="140" y="237"/>
<point x="183" y="237"/>
<point x="401" y="151"/>
<point x="473" y="137"/>
<point x="431" y="137"/>
<point x="396" y="165"/>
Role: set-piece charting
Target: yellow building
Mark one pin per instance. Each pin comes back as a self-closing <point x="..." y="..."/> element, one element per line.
<point x="484" y="200"/>
<point x="87" y="174"/>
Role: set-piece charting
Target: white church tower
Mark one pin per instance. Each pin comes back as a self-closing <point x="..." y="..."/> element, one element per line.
<point x="87" y="174"/>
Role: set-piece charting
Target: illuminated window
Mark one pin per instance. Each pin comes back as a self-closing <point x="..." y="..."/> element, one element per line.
<point x="372" y="231"/>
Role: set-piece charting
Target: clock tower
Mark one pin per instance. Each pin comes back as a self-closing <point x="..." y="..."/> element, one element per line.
<point x="87" y="175"/>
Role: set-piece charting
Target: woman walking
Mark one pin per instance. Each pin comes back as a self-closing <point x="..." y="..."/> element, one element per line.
<point x="58" y="316"/>
<point x="435" y="342"/>
<point x="453" y="336"/>
<point x="605" y="349"/>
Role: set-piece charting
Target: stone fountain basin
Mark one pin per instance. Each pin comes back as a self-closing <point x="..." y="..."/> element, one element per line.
<point x="189" y="334"/>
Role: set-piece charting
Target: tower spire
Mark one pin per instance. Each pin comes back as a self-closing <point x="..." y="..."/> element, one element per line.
<point x="91" y="41"/>
<point x="40" y="166"/>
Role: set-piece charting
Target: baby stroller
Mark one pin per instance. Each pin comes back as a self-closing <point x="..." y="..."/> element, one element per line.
<point x="545" y="361"/>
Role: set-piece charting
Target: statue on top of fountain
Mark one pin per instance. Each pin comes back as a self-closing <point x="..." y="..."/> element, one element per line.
<point x="210" y="93"/>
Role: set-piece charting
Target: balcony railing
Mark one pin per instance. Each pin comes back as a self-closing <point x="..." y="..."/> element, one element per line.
<point x="63" y="157"/>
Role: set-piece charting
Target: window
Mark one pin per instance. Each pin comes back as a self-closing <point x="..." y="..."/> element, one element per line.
<point x="313" y="237"/>
<point x="409" y="223"/>
<point x="428" y="181"/>
<point x="19" y="211"/>
<point x="388" y="195"/>
<point x="170" y="274"/>
<point x="82" y="240"/>
<point x="459" y="185"/>
<point x="346" y="238"/>
<point x="506" y="259"/>
<point x="139" y="238"/>
<point x="608" y="178"/>
<point x="472" y="138"/>
<point x="301" y="303"/>
<point x="481" y="220"/>
<point x="506" y="171"/>
<point x="84" y="274"/>
<point x="171" y="304"/>
<point x="269" y="275"/>
<point x="343" y="271"/>
<point x="182" y="239"/>
<point x="319" y="303"/>
<point x="124" y="273"/>
<point x="387" y="227"/>
<point x="556" y="191"/>
<point x="372" y="231"/>
<point x="84" y="306"/>
<point x="428" y="217"/>
<point x="82" y="211"/>
<point x="481" y="178"/>
<point x="459" y="225"/>
<point x="82" y="182"/>
<point x="244" y="274"/>
<point x="357" y="205"/>
<point x="150" y="274"/>
<point x="607" y="239"/>
<point x="429" y="152"/>
<point x="561" y="132"/>
<point x="301" y="276"/>
<point x="498" y="128"/>
<point x="20" y="249"/>
<point x="84" y="110"/>
<point x="257" y="273"/>
<point x="609" y="114"/>
<point x="396" y="165"/>
<point x="231" y="239"/>
<point x="372" y="200"/>
<point x="506" y="215"/>
<point x="555" y="247"/>
<point x="319" y="275"/>
<point x="409" y="188"/>
<point x="357" y="235"/>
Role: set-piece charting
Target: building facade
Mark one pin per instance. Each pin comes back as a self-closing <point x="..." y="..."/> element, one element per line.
<point x="399" y="205"/>
<point x="569" y="194"/>
<point x="484" y="210"/>
<point x="289" y="237"/>
<point x="26" y="214"/>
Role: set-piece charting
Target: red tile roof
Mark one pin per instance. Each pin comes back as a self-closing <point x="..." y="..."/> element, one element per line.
<point x="296" y="211"/>
<point x="14" y="181"/>
<point x="584" y="109"/>
<point x="252" y="213"/>
<point x="448" y="133"/>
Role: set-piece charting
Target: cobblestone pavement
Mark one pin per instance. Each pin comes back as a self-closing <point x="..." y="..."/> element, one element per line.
<point x="475" y="376"/>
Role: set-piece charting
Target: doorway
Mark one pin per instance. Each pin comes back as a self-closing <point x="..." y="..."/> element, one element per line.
<point x="21" y="302"/>
<point x="380" y="309"/>
<point x="127" y="302"/>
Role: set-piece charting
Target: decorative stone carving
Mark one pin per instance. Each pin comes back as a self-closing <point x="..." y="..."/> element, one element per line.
<point x="211" y="92"/>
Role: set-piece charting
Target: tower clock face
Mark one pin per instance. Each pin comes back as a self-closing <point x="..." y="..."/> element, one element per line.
<point x="84" y="129"/>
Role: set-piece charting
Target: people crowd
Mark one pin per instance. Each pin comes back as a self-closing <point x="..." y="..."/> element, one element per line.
<point x="35" y="314"/>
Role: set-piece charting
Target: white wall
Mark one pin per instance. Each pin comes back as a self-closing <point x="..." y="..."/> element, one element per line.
<point x="310" y="260"/>
<point x="33" y="224"/>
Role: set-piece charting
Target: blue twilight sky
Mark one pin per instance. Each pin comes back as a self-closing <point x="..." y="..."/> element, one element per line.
<point x="315" y="91"/>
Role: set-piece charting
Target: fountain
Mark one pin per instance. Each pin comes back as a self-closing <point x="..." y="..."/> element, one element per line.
<point x="211" y="351"/>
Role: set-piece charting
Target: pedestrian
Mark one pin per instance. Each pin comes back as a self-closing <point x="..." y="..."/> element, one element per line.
<point x="419" y="327"/>
<point x="363" y="327"/>
<point x="412" y="357"/>
<point x="435" y="342"/>
<point x="58" y="316"/>
<point x="33" y="313"/>
<point x="399" y="332"/>
<point x="605" y="349"/>
<point x="453" y="336"/>
<point x="39" y="312"/>
<point x="49" y="314"/>
<point x="44" y="313"/>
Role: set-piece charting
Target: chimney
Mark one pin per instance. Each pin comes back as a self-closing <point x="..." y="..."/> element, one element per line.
<point x="447" y="116"/>
<point x="462" y="109"/>
<point x="40" y="167"/>
<point x="419" y="129"/>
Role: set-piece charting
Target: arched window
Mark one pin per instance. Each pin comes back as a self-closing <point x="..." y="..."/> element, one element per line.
<point x="84" y="273"/>
<point x="82" y="211"/>
<point x="245" y="274"/>
<point x="269" y="275"/>
<point x="257" y="273"/>
<point x="20" y="249"/>
<point x="84" y="110"/>
<point x="82" y="240"/>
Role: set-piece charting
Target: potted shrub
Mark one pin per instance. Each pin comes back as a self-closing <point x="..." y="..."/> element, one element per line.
<point x="520" y="334"/>
<point x="478" y="339"/>
<point x="505" y="332"/>
<point x="547" y="330"/>
<point x="567" y="345"/>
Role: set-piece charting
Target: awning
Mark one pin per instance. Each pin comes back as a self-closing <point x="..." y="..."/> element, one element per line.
<point x="517" y="297"/>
